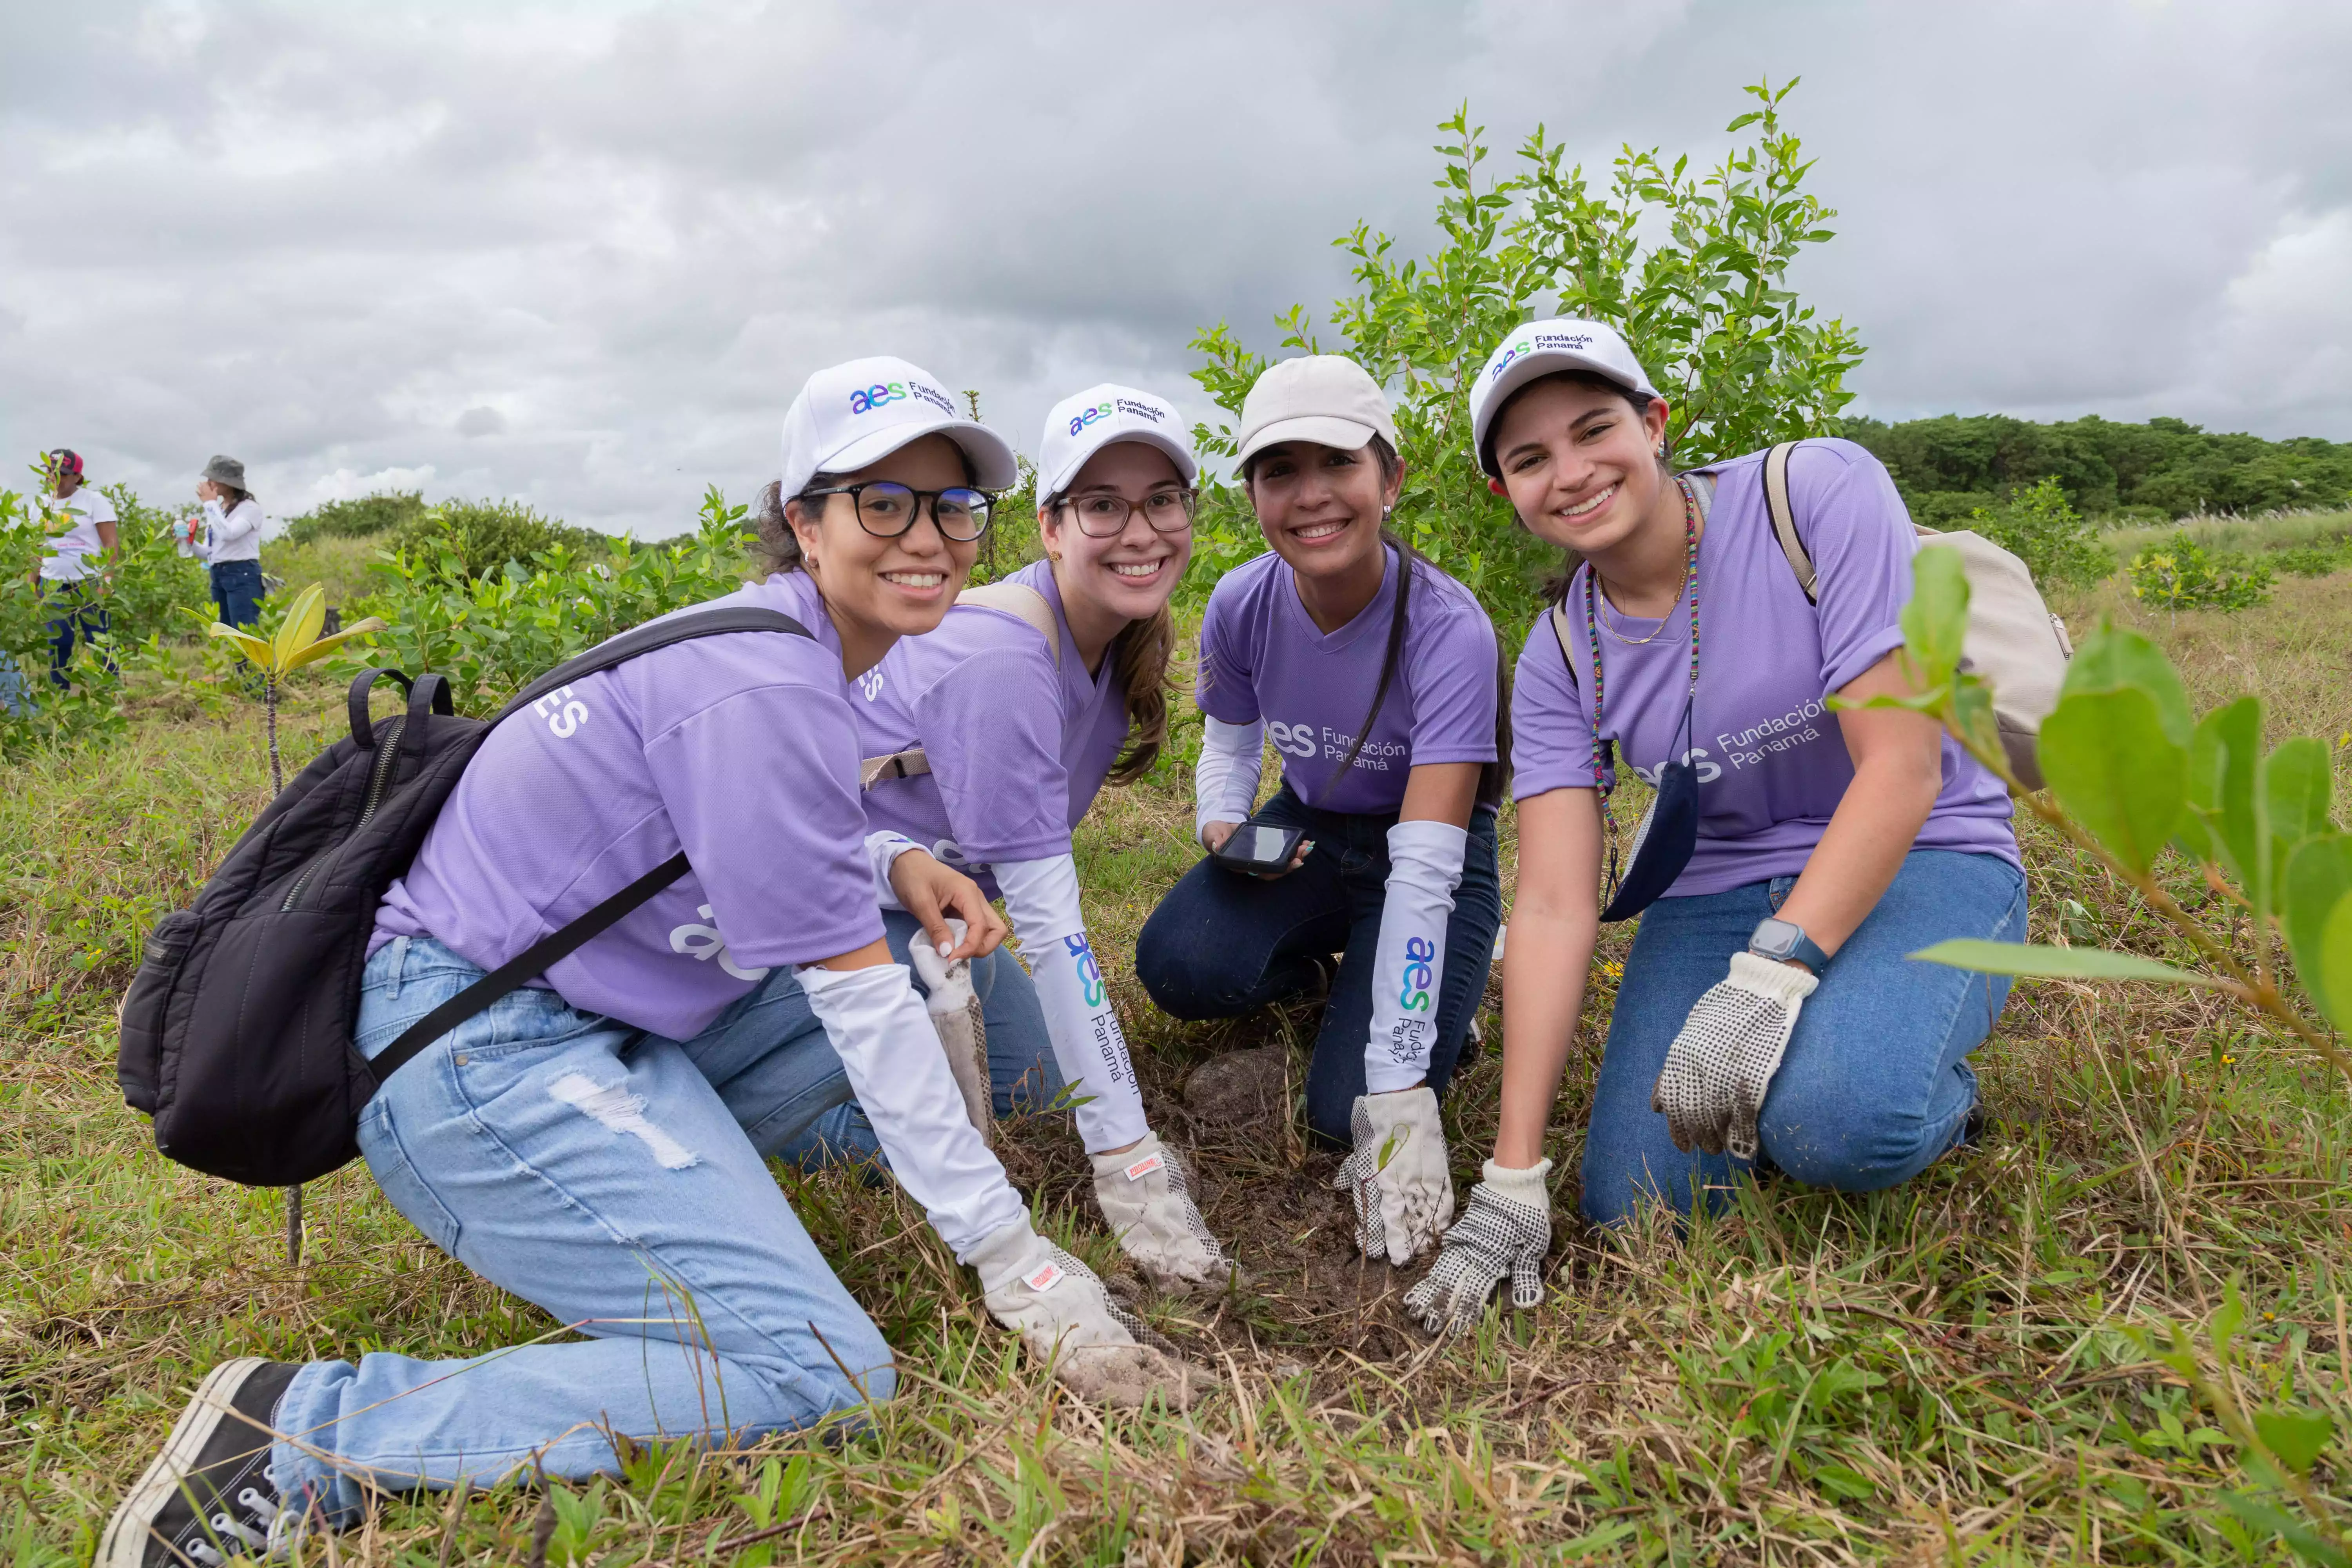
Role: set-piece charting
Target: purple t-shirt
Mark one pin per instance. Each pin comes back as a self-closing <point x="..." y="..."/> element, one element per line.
<point x="1772" y="764"/>
<point x="739" y="748"/>
<point x="1263" y="658"/>
<point x="1018" y="748"/>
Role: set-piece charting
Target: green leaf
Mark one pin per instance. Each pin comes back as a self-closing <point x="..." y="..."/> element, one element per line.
<point x="303" y="618"/>
<point x="2335" y="965"/>
<point x="1936" y="621"/>
<point x="2057" y="963"/>
<point x="2299" y="783"/>
<point x="255" y="650"/>
<point x="2295" y="1437"/>
<point x="2107" y="758"/>
<point x="2301" y="1539"/>
<point x="2318" y="878"/>
<point x="2111" y="660"/>
<point x="2240" y="819"/>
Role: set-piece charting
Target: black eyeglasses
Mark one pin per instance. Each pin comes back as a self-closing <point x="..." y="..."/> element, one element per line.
<point x="886" y="509"/>
<point x="1104" y="516"/>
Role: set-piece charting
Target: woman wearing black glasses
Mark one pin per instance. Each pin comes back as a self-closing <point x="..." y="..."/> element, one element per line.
<point x="988" y="740"/>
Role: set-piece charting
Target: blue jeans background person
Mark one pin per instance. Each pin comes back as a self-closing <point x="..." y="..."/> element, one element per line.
<point x="238" y="592"/>
<point x="1222" y="943"/>
<point x="1876" y="1085"/>
<point x="80" y="616"/>
<point x="525" y="1143"/>
<point x="1021" y="1067"/>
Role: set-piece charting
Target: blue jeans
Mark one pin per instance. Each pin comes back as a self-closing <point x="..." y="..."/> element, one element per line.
<point x="236" y="592"/>
<point x="1222" y="943"/>
<point x="1021" y="1067"/>
<point x="81" y="613"/>
<point x="1876" y="1085"/>
<point x="616" y="1180"/>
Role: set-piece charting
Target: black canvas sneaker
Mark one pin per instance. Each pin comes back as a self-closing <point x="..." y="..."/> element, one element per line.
<point x="209" y="1496"/>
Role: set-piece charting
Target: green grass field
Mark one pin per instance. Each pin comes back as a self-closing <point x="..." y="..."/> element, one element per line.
<point x="1946" y="1373"/>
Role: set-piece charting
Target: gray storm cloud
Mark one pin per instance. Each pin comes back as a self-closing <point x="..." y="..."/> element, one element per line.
<point x="584" y="256"/>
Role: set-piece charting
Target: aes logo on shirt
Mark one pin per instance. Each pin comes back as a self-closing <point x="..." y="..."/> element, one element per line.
<point x="564" y="715"/>
<point x="1292" y="740"/>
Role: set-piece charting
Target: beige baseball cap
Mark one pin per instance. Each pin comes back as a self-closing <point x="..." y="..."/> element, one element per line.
<point x="1328" y="399"/>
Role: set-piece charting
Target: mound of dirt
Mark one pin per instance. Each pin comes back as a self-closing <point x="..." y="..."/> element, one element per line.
<point x="1240" y="1089"/>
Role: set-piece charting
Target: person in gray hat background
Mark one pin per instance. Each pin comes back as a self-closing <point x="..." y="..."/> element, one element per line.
<point x="229" y="541"/>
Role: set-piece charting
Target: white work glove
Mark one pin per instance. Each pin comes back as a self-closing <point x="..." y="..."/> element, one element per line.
<point x="1504" y="1233"/>
<point x="955" y="1013"/>
<point x="1147" y="1201"/>
<point x="1397" y="1176"/>
<point x="1720" y="1065"/>
<point x="1068" y="1321"/>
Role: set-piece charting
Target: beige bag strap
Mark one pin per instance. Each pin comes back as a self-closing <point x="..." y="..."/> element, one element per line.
<point x="1016" y="599"/>
<point x="1784" y="519"/>
<point x="1019" y="599"/>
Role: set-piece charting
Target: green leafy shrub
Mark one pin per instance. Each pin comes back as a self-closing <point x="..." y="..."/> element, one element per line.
<point x="486" y="535"/>
<point x="360" y="518"/>
<point x="2180" y="574"/>
<point x="2037" y="526"/>
<point x="490" y="633"/>
<point x="1692" y="268"/>
<point x="2312" y="560"/>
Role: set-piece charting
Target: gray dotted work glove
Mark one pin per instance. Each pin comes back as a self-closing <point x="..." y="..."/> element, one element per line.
<point x="1059" y="1307"/>
<point x="955" y="1013"/>
<point x="1147" y="1200"/>
<point x="1397" y="1176"/>
<point x="1720" y="1065"/>
<point x="1504" y="1233"/>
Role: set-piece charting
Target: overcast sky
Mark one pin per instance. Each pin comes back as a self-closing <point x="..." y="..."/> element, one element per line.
<point x="584" y="254"/>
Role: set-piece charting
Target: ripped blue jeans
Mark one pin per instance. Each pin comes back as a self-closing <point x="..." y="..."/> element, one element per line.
<point x="618" y="1181"/>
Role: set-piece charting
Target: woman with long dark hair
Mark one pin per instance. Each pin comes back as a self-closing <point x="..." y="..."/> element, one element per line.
<point x="1377" y="679"/>
<point x="1796" y="853"/>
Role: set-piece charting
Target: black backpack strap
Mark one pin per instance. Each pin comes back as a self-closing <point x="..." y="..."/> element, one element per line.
<point x="646" y="638"/>
<point x="557" y="946"/>
<point x="526" y="965"/>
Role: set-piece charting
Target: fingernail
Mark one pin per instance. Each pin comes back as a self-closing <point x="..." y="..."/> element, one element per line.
<point x="945" y="948"/>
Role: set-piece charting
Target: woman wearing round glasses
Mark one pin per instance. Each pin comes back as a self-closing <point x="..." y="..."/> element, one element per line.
<point x="990" y="739"/>
<point x="1796" y="853"/>
<point x="595" y="1142"/>
<point x="1376" y="677"/>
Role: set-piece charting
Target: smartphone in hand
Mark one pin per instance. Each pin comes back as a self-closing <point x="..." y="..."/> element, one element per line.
<point x="1258" y="848"/>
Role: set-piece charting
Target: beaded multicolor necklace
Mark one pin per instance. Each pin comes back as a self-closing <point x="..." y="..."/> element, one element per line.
<point x="1592" y="629"/>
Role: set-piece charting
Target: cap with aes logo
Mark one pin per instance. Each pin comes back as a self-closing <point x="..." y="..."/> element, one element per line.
<point x="848" y="415"/>
<point x="1081" y="426"/>
<point x="1546" y="348"/>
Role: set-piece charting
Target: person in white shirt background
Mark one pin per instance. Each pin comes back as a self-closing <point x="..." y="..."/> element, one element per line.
<point x="77" y="572"/>
<point x="229" y="540"/>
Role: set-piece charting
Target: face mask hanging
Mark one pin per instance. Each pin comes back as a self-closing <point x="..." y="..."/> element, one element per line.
<point x="1668" y="831"/>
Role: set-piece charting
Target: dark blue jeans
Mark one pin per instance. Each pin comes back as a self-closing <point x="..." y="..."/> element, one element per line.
<point x="1876" y="1085"/>
<point x="1222" y="943"/>
<point x="80" y="613"/>
<point x="236" y="592"/>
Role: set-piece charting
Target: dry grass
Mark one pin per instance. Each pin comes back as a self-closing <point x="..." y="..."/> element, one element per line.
<point x="1942" y="1372"/>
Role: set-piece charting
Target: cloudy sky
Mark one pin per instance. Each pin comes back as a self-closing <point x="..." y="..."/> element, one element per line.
<point x="583" y="254"/>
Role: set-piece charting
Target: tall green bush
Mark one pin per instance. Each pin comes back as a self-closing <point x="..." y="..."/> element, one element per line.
<point x="2181" y="575"/>
<point x="357" y="518"/>
<point x="486" y="535"/>
<point x="2054" y="540"/>
<point x="1692" y="268"/>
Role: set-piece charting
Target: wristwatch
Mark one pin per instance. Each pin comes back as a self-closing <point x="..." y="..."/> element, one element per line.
<point x="1782" y="940"/>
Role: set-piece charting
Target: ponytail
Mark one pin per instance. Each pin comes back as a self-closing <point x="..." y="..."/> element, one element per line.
<point x="1139" y="660"/>
<point x="780" y="546"/>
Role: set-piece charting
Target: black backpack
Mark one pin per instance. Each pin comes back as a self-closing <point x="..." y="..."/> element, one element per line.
<point x="237" y="1033"/>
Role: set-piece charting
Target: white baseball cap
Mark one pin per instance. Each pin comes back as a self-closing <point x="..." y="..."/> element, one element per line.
<point x="1546" y="348"/>
<point x="1328" y="399"/>
<point x="848" y="415"/>
<point x="1082" y="425"/>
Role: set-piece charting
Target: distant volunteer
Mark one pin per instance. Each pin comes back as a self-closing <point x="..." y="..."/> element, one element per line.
<point x="1376" y="677"/>
<point x="228" y="540"/>
<point x="595" y="1143"/>
<point x="991" y="737"/>
<point x="75" y="575"/>
<point x="1767" y="1015"/>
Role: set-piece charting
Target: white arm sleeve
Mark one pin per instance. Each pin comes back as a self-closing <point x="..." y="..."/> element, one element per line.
<point x="1042" y="897"/>
<point x="886" y="1040"/>
<point x="1409" y="965"/>
<point x="883" y="848"/>
<point x="228" y="527"/>
<point x="1224" y="780"/>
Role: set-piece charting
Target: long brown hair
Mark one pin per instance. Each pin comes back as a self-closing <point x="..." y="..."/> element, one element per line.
<point x="1139" y="657"/>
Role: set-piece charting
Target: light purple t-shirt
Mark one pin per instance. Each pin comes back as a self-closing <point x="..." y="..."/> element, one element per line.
<point x="1263" y="658"/>
<point x="1018" y="748"/>
<point x="1772" y="764"/>
<point x="739" y="748"/>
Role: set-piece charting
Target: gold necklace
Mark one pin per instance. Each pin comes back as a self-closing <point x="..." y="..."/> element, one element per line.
<point x="1690" y="564"/>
